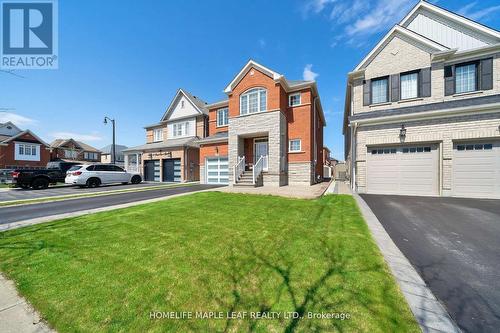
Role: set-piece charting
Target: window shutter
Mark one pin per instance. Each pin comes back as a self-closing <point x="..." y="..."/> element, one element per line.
<point x="366" y="92"/>
<point x="486" y="76"/>
<point x="449" y="80"/>
<point x="425" y="82"/>
<point x="395" y="87"/>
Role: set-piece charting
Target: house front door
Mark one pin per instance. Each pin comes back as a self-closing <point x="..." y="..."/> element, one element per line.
<point x="261" y="148"/>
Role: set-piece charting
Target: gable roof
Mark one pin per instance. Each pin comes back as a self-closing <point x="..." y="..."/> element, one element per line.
<point x="398" y="30"/>
<point x="481" y="28"/>
<point x="12" y="138"/>
<point x="249" y="65"/>
<point x="9" y="123"/>
<point x="57" y="143"/>
<point x="198" y="103"/>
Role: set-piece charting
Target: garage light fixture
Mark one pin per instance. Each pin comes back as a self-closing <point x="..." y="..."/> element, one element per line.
<point x="402" y="131"/>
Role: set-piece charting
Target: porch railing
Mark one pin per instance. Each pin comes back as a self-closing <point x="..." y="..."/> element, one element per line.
<point x="257" y="169"/>
<point x="239" y="168"/>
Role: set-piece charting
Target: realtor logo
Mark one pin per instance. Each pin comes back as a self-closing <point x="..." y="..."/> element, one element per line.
<point x="29" y="34"/>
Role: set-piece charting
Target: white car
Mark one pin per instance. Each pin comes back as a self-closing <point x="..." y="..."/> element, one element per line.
<point x="93" y="175"/>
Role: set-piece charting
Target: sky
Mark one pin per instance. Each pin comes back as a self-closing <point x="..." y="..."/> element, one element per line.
<point x="125" y="59"/>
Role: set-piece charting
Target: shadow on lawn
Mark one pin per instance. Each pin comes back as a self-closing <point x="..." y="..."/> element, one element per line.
<point x="265" y="281"/>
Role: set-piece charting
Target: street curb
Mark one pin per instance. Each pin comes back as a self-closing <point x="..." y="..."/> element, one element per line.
<point x="38" y="220"/>
<point x="427" y="310"/>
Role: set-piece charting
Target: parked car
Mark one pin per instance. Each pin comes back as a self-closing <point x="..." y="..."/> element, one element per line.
<point x="39" y="179"/>
<point x="93" y="175"/>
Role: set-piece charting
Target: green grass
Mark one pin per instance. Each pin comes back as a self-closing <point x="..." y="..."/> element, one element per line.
<point x="3" y="185"/>
<point x="208" y="252"/>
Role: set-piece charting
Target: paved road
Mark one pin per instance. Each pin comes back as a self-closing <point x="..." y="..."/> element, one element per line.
<point x="25" y="212"/>
<point x="454" y="244"/>
<point x="21" y="194"/>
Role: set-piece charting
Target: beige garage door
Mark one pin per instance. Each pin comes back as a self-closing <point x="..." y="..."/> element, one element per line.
<point x="406" y="170"/>
<point x="476" y="169"/>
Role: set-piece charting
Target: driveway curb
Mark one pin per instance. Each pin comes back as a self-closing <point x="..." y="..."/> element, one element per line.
<point x="428" y="311"/>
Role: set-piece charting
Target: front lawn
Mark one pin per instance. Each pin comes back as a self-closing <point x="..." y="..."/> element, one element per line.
<point x="208" y="252"/>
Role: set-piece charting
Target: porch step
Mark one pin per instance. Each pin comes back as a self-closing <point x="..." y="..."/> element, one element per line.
<point x="246" y="179"/>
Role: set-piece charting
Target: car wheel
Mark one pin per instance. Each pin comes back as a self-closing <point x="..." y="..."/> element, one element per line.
<point x="136" y="179"/>
<point x="24" y="186"/>
<point x="40" y="184"/>
<point x="93" y="182"/>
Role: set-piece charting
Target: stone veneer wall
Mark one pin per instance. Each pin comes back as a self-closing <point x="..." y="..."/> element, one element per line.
<point x="271" y="124"/>
<point x="300" y="173"/>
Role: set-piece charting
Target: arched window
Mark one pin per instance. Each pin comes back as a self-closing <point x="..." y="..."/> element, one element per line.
<point x="254" y="100"/>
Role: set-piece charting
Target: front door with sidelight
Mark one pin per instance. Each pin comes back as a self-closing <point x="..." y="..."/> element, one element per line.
<point x="261" y="148"/>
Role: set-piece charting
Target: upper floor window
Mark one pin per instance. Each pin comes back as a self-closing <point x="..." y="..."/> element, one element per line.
<point x="254" y="100"/>
<point x="27" y="152"/>
<point x="70" y="153"/>
<point x="222" y="117"/>
<point x="90" y="156"/>
<point x="294" y="99"/>
<point x="465" y="78"/>
<point x="182" y="104"/>
<point x="409" y="85"/>
<point x="181" y="129"/>
<point x="157" y="134"/>
<point x="380" y="90"/>
<point x="295" y="145"/>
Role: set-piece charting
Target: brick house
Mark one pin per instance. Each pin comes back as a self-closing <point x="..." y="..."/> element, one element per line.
<point x="72" y="150"/>
<point x="268" y="131"/>
<point x="171" y="153"/>
<point x="422" y="109"/>
<point x="21" y="149"/>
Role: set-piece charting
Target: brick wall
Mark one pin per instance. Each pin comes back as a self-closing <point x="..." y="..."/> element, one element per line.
<point x="7" y="154"/>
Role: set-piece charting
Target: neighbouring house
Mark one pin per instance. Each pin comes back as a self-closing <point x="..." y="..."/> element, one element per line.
<point x="72" y="150"/>
<point x="422" y="109"/>
<point x="171" y="153"/>
<point x="327" y="163"/>
<point x="107" y="154"/>
<point x="268" y="131"/>
<point x="21" y="149"/>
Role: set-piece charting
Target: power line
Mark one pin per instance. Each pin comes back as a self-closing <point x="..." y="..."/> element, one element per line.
<point x="11" y="72"/>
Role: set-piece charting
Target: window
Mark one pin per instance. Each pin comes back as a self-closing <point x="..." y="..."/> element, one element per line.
<point x="181" y="129"/>
<point x="479" y="146"/>
<point x="27" y="152"/>
<point x="465" y="78"/>
<point x="182" y="104"/>
<point x="383" y="151"/>
<point x="70" y="153"/>
<point x="294" y="99"/>
<point x="254" y="100"/>
<point x="380" y="90"/>
<point x="222" y="117"/>
<point x="295" y="145"/>
<point x="157" y="134"/>
<point x="409" y="85"/>
<point x="407" y="150"/>
<point x="89" y="156"/>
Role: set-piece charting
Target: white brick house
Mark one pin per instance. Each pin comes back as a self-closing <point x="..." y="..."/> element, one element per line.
<point x="422" y="109"/>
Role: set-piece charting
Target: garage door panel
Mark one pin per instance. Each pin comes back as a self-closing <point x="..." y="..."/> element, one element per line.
<point x="406" y="170"/>
<point x="217" y="170"/>
<point x="475" y="169"/>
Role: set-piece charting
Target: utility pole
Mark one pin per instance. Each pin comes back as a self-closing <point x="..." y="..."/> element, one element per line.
<point x="113" y="152"/>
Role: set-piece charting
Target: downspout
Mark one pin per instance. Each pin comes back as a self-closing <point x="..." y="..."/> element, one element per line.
<point x="185" y="164"/>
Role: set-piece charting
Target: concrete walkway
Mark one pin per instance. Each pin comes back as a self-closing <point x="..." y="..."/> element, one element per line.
<point x="428" y="311"/>
<point x="16" y="316"/>
<point x="289" y="191"/>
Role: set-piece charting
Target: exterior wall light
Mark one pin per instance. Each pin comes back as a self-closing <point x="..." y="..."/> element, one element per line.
<point x="402" y="132"/>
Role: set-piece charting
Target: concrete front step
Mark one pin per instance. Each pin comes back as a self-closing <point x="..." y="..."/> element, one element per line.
<point x="244" y="184"/>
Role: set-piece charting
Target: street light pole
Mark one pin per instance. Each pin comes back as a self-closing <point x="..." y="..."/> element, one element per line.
<point x="113" y="152"/>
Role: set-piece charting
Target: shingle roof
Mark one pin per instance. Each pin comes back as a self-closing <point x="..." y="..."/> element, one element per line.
<point x="297" y="82"/>
<point x="118" y="149"/>
<point x="184" y="142"/>
<point x="60" y="142"/>
<point x="3" y="137"/>
<point x="220" y="136"/>
<point x="196" y="100"/>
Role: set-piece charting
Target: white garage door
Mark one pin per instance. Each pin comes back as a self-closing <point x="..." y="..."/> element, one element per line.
<point x="476" y="170"/>
<point x="407" y="170"/>
<point x="217" y="170"/>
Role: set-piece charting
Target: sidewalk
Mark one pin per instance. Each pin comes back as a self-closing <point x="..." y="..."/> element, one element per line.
<point x="16" y="316"/>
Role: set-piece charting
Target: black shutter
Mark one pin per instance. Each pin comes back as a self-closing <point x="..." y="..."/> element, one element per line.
<point x="367" y="96"/>
<point x="449" y="80"/>
<point x="425" y="82"/>
<point x="394" y="87"/>
<point x="486" y="74"/>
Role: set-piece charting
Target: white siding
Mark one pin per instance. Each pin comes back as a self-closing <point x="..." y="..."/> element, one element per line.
<point x="444" y="33"/>
<point x="179" y="111"/>
<point x="191" y="128"/>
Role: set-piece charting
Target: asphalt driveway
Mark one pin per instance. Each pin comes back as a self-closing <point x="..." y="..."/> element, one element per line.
<point x="22" y="194"/>
<point x="454" y="244"/>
